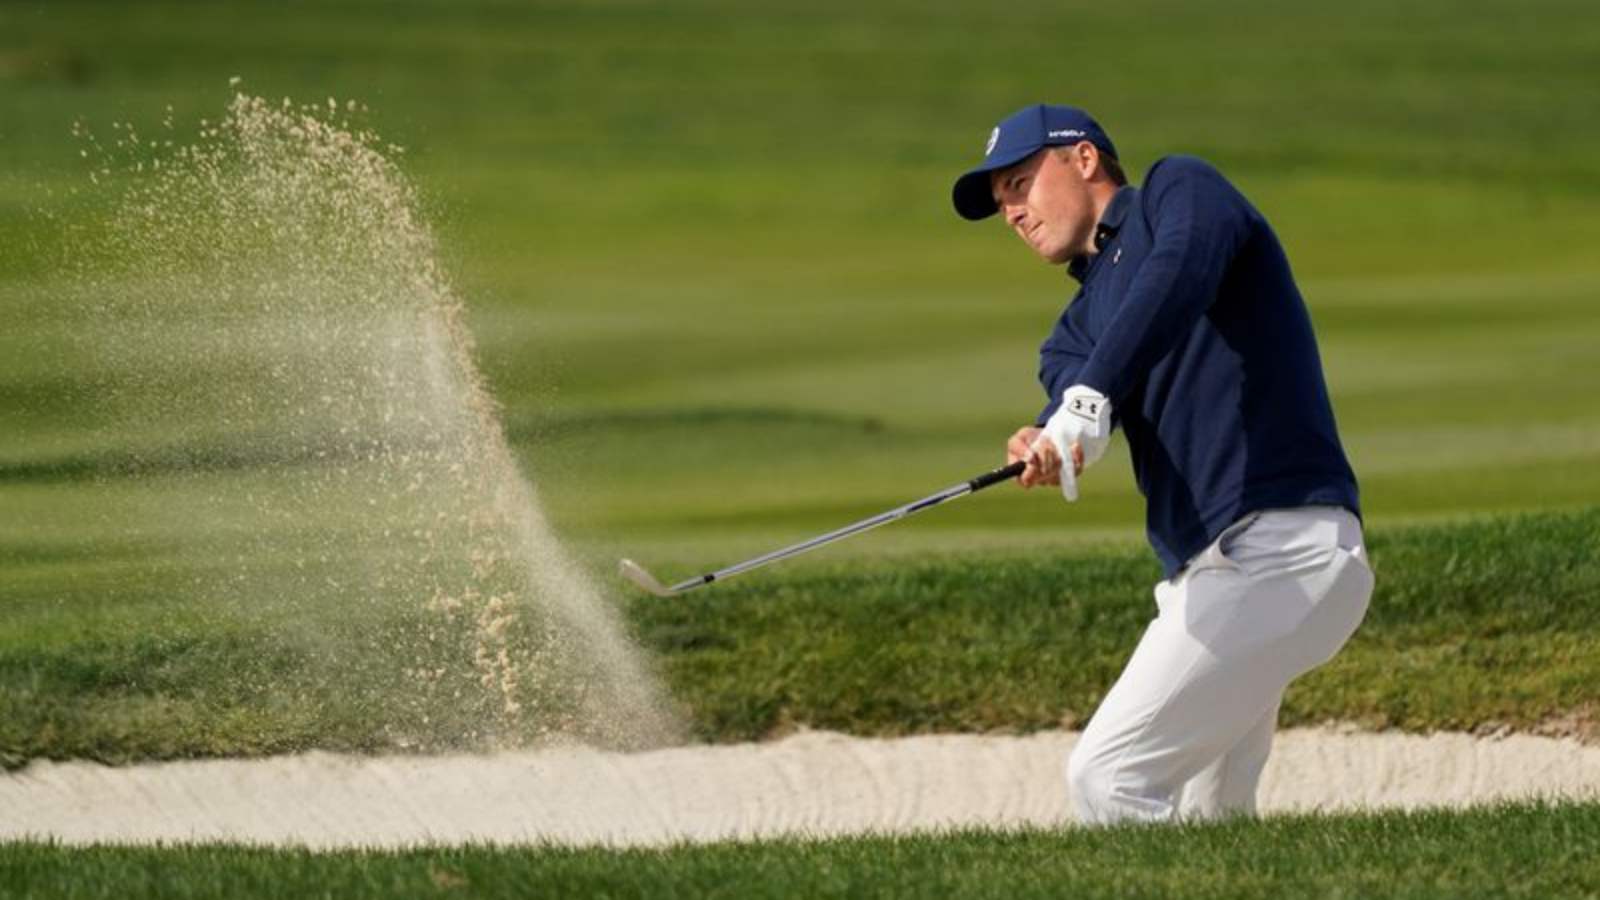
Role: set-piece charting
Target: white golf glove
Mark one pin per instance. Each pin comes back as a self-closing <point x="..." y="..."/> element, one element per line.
<point x="1084" y="418"/>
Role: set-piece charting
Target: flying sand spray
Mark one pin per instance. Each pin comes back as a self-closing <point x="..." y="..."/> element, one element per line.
<point x="291" y="384"/>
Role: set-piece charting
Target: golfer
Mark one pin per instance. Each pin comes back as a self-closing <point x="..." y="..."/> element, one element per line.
<point x="1188" y="333"/>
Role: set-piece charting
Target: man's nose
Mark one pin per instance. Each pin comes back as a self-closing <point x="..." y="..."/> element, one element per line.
<point x="1014" y="213"/>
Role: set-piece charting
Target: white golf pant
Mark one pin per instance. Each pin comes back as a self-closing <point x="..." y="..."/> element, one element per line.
<point x="1185" y="731"/>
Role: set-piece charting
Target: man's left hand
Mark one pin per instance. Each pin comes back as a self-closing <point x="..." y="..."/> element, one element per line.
<point x="1079" y="430"/>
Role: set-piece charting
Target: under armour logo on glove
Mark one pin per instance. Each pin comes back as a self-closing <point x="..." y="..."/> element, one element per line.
<point x="1086" y="408"/>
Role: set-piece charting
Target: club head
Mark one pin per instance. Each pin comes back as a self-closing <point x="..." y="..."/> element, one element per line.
<point x="636" y="574"/>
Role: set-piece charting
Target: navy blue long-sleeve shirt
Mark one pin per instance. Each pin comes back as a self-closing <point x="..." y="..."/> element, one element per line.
<point x="1189" y="320"/>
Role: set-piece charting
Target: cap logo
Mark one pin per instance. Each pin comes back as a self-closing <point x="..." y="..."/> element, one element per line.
<point x="1066" y="133"/>
<point x="994" y="138"/>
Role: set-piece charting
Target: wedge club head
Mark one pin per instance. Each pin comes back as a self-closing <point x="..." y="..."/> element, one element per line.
<point x="636" y="574"/>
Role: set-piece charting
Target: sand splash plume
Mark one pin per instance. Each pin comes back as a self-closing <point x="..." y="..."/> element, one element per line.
<point x="292" y="384"/>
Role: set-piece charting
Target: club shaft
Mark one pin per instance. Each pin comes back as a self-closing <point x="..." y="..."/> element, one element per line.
<point x="950" y="493"/>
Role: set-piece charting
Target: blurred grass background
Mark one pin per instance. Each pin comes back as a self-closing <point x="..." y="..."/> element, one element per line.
<point x="709" y="257"/>
<point x="708" y="253"/>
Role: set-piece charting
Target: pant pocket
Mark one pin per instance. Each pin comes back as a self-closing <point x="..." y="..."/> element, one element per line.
<point x="1216" y="554"/>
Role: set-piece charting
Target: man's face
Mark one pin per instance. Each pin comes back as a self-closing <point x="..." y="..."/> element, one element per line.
<point x="1046" y="200"/>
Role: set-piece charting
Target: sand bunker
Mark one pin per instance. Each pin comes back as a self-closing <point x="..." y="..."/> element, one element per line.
<point x="814" y="783"/>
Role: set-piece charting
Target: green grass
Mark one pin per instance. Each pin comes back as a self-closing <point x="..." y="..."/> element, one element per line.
<point x="719" y="291"/>
<point x="720" y="239"/>
<point x="1469" y="625"/>
<point x="1524" y="850"/>
<point x="708" y="254"/>
<point x="1477" y="625"/>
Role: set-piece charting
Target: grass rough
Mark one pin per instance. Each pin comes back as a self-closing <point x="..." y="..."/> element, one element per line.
<point x="1476" y="625"/>
<point x="1517" y="850"/>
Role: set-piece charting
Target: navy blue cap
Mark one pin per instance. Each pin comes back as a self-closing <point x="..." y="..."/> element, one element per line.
<point x="1017" y="137"/>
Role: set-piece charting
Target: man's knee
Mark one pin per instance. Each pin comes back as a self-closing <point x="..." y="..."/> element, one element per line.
<point x="1088" y="782"/>
<point x="1099" y="798"/>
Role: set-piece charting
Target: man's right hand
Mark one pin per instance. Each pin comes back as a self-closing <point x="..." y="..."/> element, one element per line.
<point x="1020" y="448"/>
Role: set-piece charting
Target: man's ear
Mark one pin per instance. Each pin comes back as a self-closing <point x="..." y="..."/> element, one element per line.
<point x="1087" y="157"/>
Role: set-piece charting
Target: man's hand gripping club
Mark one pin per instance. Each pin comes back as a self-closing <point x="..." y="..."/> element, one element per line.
<point x="1080" y="429"/>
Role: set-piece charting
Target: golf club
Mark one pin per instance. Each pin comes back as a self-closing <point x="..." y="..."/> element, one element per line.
<point x="641" y="577"/>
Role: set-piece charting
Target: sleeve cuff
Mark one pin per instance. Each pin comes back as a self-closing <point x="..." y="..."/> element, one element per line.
<point x="1094" y="378"/>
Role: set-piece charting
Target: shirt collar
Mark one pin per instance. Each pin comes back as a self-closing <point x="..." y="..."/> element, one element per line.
<point x="1110" y="223"/>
